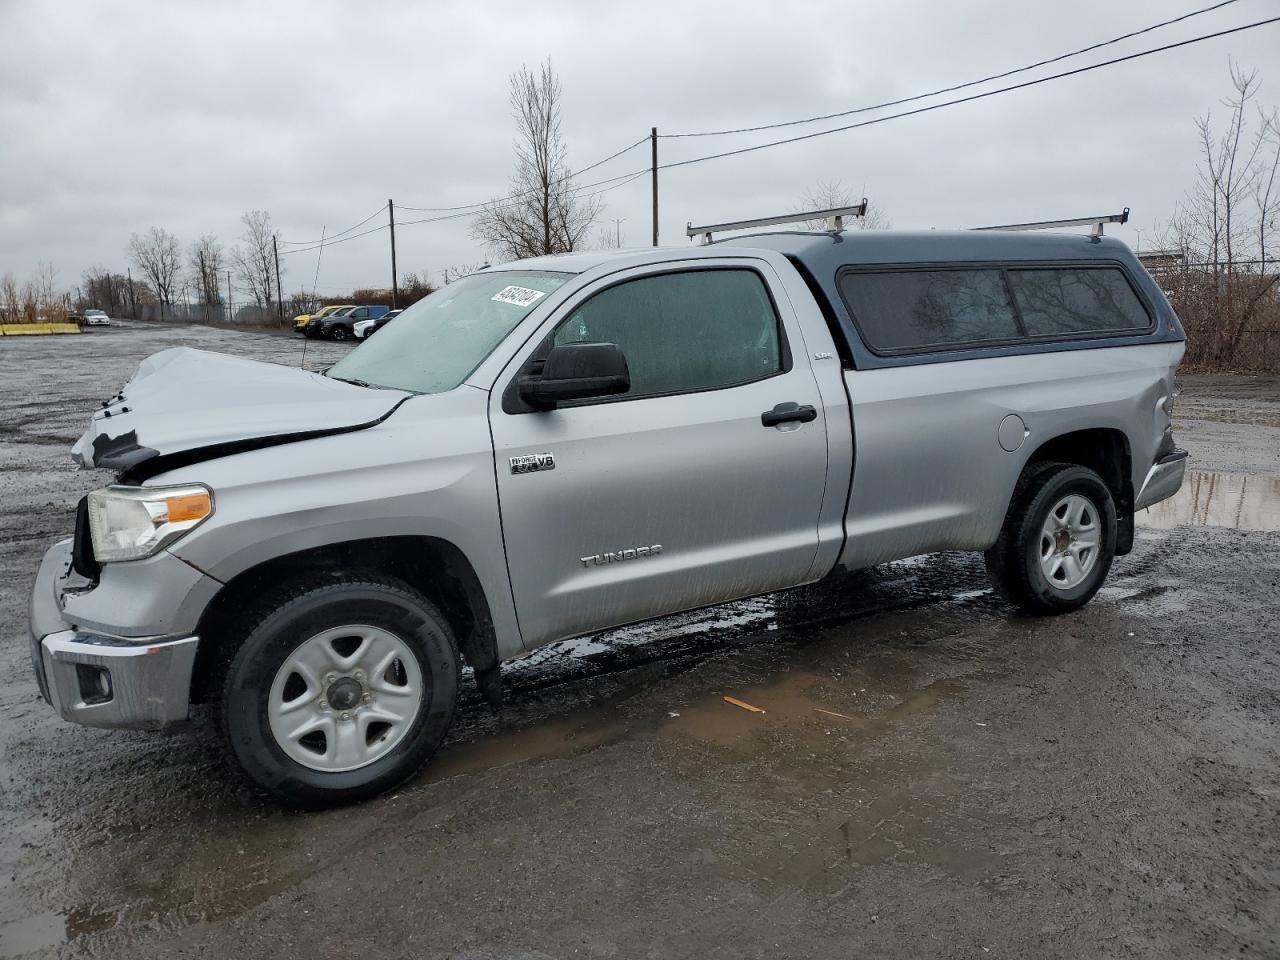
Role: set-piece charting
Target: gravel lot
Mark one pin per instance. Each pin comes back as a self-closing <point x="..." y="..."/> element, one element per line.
<point x="934" y="775"/>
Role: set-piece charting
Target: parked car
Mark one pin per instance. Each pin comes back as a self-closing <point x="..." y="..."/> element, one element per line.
<point x="657" y="431"/>
<point x="96" y="318"/>
<point x="368" y="327"/>
<point x="312" y="329"/>
<point x="341" y="326"/>
<point x="300" y="322"/>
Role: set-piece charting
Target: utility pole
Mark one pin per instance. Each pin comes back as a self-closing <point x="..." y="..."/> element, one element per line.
<point x="133" y="301"/>
<point x="653" y="144"/>
<point x="617" y="227"/>
<point x="228" y="296"/>
<point x="279" y="294"/>
<point x="395" y="284"/>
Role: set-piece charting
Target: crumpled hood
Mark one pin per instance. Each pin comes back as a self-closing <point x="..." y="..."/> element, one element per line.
<point x="183" y="400"/>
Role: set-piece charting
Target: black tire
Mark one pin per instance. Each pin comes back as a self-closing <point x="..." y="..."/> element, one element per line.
<point x="1013" y="563"/>
<point x="299" y="612"/>
<point x="340" y="333"/>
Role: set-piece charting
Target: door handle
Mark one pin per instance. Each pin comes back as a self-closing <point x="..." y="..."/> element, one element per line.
<point x="788" y="413"/>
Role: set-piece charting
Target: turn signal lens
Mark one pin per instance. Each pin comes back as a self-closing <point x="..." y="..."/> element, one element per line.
<point x="194" y="506"/>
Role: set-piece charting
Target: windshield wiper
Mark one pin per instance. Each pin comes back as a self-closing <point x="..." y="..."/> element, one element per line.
<point x="352" y="380"/>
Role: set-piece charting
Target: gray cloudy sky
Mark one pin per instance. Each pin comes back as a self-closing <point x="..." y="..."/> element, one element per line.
<point x="118" y="116"/>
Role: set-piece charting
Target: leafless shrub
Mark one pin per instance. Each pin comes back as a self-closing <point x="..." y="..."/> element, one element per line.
<point x="830" y="194"/>
<point x="460" y="270"/>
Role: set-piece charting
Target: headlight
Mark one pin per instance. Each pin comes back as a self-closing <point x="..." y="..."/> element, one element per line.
<point x="128" y="523"/>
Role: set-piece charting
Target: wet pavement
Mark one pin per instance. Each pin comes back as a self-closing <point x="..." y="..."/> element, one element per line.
<point x="924" y="773"/>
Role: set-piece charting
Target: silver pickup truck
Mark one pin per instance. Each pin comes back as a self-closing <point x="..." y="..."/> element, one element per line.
<point x="567" y="444"/>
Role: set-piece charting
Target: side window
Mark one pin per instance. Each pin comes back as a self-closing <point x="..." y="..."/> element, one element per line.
<point x="1077" y="300"/>
<point x="909" y="310"/>
<point x="685" y="331"/>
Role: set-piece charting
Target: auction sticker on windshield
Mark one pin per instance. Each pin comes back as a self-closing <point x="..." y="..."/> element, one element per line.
<point x="520" y="296"/>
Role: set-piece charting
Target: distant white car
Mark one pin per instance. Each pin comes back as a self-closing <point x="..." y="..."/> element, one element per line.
<point x="364" y="329"/>
<point x="96" y="318"/>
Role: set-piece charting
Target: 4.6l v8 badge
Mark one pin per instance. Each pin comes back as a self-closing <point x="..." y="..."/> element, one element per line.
<point x="532" y="463"/>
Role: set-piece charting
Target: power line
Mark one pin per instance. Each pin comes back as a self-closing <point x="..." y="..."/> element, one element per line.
<point x="329" y="242"/>
<point x="306" y="246"/>
<point x="515" y="196"/>
<point x="622" y="179"/>
<point x="976" y="96"/>
<point x="958" y="86"/>
<point x="454" y="213"/>
<point x="330" y="237"/>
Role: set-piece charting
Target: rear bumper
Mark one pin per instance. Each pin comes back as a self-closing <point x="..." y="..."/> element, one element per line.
<point x="99" y="680"/>
<point x="1163" y="479"/>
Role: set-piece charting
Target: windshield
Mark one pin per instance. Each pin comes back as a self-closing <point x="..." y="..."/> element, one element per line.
<point x="435" y="344"/>
<point x="341" y="312"/>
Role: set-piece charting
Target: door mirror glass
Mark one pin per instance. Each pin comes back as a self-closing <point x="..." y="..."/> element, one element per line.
<point x="576" y="371"/>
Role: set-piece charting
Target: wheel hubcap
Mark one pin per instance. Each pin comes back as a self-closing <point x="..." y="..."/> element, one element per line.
<point x="345" y="697"/>
<point x="344" y="694"/>
<point x="1070" y="542"/>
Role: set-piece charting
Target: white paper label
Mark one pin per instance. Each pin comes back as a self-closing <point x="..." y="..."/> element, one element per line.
<point x="519" y="296"/>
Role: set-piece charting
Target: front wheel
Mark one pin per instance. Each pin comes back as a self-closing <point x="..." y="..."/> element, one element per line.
<point x="341" y="690"/>
<point x="1058" y="539"/>
<point x="340" y="333"/>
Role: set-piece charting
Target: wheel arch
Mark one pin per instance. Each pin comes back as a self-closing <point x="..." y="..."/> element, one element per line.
<point x="436" y="567"/>
<point x="1107" y="452"/>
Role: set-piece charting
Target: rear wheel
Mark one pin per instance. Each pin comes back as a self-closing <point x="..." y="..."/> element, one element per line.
<point x="1058" y="539"/>
<point x="340" y="691"/>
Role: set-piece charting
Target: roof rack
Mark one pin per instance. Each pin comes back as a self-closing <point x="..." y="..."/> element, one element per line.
<point x="1095" y="222"/>
<point x="834" y="217"/>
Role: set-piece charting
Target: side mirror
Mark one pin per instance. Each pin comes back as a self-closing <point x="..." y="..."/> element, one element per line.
<point x="574" y="371"/>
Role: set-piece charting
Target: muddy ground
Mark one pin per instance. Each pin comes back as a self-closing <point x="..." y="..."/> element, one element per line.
<point x="933" y="775"/>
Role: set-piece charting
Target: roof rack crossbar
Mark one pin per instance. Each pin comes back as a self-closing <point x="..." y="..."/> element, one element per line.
<point x="834" y="217"/>
<point x="1095" y="222"/>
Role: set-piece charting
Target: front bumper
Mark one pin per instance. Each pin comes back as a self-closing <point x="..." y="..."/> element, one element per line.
<point x="1164" y="479"/>
<point x="99" y="680"/>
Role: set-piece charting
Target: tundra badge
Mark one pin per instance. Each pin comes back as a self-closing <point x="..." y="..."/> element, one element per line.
<point x="532" y="463"/>
<point x="631" y="553"/>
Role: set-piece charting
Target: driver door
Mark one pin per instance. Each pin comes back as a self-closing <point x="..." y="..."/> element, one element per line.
<point x="673" y="495"/>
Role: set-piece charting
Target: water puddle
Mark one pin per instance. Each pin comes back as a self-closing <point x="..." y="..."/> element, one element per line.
<point x="51" y="929"/>
<point x="793" y="706"/>
<point x="1240" y="501"/>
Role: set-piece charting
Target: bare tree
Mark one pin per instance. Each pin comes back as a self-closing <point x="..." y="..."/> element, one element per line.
<point x="254" y="258"/>
<point x="607" y="239"/>
<point x="544" y="213"/>
<point x="105" y="290"/>
<point x="10" y="299"/>
<point x="38" y="298"/>
<point x="460" y="270"/>
<point x="1226" y="229"/>
<point x="205" y="265"/>
<point x="830" y="194"/>
<point x="45" y="283"/>
<point x="156" y="255"/>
